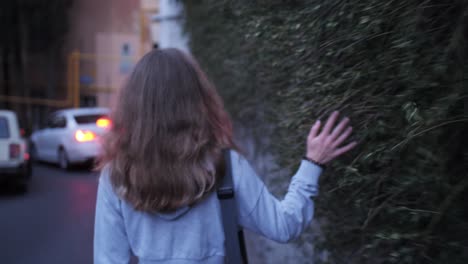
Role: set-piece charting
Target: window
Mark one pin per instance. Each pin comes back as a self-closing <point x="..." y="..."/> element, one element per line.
<point x="50" y="122"/>
<point x="57" y="121"/>
<point x="88" y="119"/>
<point x="60" y="122"/>
<point x="4" y="129"/>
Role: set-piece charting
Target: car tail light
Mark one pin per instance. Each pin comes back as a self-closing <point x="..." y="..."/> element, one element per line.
<point x="84" y="136"/>
<point x="26" y="155"/>
<point x="15" y="150"/>
<point x="103" y="122"/>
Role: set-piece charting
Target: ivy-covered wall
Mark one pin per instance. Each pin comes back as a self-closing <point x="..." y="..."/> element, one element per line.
<point x="398" y="69"/>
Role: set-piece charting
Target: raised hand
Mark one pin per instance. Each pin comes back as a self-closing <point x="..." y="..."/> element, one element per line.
<point x="324" y="146"/>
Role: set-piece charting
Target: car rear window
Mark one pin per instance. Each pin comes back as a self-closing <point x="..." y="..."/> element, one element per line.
<point x="4" y="129"/>
<point x="88" y="119"/>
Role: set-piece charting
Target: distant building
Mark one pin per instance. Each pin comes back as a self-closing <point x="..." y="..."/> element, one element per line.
<point x="110" y="36"/>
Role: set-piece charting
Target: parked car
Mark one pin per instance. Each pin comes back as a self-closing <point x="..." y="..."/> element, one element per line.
<point x="71" y="136"/>
<point x="15" y="164"/>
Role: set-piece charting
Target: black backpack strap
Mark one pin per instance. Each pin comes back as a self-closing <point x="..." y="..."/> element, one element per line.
<point x="234" y="237"/>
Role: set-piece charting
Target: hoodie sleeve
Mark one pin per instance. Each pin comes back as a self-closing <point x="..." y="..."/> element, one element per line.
<point x="260" y="212"/>
<point x="110" y="239"/>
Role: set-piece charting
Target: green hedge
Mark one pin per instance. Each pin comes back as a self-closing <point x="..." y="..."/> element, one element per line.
<point x="398" y="69"/>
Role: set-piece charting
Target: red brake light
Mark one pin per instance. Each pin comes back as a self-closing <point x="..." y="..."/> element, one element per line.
<point x="15" y="150"/>
<point x="103" y="122"/>
<point x="84" y="136"/>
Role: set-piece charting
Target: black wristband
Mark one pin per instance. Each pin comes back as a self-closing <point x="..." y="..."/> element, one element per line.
<point x="321" y="165"/>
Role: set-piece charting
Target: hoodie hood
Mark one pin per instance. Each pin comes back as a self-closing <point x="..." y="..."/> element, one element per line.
<point x="174" y="215"/>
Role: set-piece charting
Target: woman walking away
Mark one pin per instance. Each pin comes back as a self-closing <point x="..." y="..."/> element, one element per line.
<point x="163" y="161"/>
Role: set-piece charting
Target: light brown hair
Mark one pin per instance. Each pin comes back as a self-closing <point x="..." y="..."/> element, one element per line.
<point x="168" y="130"/>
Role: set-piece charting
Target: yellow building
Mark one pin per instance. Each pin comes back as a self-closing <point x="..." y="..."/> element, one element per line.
<point x="105" y="39"/>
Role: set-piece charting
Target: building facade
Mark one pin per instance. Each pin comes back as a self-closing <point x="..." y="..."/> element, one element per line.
<point x="105" y="40"/>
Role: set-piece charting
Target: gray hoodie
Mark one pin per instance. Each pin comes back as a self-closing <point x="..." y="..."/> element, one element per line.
<point x="195" y="234"/>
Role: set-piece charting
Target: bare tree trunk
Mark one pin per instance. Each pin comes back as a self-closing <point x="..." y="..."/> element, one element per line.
<point x="22" y="60"/>
<point x="51" y="71"/>
<point x="17" y="63"/>
<point x="6" y="73"/>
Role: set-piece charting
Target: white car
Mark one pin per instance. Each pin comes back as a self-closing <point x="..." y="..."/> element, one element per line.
<point x="15" y="165"/>
<point x="71" y="136"/>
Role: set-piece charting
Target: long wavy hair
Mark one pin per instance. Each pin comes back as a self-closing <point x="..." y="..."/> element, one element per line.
<point x="169" y="128"/>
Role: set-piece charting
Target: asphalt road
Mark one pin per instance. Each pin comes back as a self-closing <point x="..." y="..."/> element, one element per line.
<point x="53" y="221"/>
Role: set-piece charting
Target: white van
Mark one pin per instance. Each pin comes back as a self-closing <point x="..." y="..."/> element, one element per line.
<point x="15" y="165"/>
